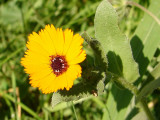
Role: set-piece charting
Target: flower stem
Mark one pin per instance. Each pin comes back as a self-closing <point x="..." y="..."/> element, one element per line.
<point x="23" y="23"/>
<point x="24" y="107"/>
<point x="14" y="94"/>
<point x="74" y="110"/>
<point x="134" y="90"/>
<point x="146" y="109"/>
<point x="143" y="9"/>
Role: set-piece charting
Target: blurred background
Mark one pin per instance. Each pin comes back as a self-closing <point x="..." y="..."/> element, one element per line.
<point x="18" y="18"/>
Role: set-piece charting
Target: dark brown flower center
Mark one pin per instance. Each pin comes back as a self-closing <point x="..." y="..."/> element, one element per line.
<point x="58" y="64"/>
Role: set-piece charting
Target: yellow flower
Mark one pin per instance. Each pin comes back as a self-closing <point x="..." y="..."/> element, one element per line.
<point x="52" y="58"/>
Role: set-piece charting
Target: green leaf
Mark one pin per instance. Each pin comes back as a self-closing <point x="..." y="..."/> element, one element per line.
<point x="100" y="59"/>
<point x="77" y="92"/>
<point x="118" y="48"/>
<point x="156" y="71"/>
<point x="148" y="89"/>
<point x="100" y="87"/>
<point x="64" y="105"/>
<point x="117" y="103"/>
<point x="115" y="44"/>
<point x="146" y="38"/>
<point x="136" y="114"/>
<point x="120" y="60"/>
<point x="140" y="116"/>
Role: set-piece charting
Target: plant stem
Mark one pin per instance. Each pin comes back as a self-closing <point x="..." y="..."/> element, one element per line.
<point x="146" y="109"/>
<point x="24" y="107"/>
<point x="14" y="94"/>
<point x="143" y="9"/>
<point x="23" y="23"/>
<point x="74" y="111"/>
<point x="11" y="55"/>
<point x="134" y="90"/>
<point x="126" y="84"/>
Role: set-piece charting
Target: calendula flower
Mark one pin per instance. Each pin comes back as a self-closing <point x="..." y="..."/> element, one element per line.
<point x="52" y="58"/>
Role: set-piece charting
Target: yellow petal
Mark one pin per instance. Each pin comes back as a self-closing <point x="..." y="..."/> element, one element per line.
<point x="37" y="44"/>
<point x="57" y="38"/>
<point x="75" y="48"/>
<point x="68" y="35"/>
<point x="72" y="73"/>
<point x="77" y="59"/>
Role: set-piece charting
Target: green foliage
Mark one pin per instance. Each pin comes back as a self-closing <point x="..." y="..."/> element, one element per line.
<point x="7" y="13"/>
<point x="148" y="89"/>
<point x="109" y="60"/>
<point x="119" y="109"/>
<point x="17" y="20"/>
<point x="146" y="38"/>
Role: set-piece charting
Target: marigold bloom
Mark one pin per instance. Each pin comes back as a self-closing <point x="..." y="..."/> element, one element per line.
<point x="52" y="58"/>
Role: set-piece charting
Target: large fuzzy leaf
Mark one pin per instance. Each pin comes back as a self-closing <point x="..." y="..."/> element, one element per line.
<point x="115" y="44"/>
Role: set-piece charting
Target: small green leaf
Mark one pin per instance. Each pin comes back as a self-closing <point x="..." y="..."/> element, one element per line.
<point x="114" y="43"/>
<point x="149" y="88"/>
<point x="156" y="71"/>
<point x="86" y="37"/>
<point x="101" y="85"/>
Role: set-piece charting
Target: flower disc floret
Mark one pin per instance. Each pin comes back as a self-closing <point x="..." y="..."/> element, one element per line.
<point x="59" y="64"/>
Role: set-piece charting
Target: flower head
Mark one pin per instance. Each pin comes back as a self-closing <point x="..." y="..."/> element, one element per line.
<point x="52" y="58"/>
